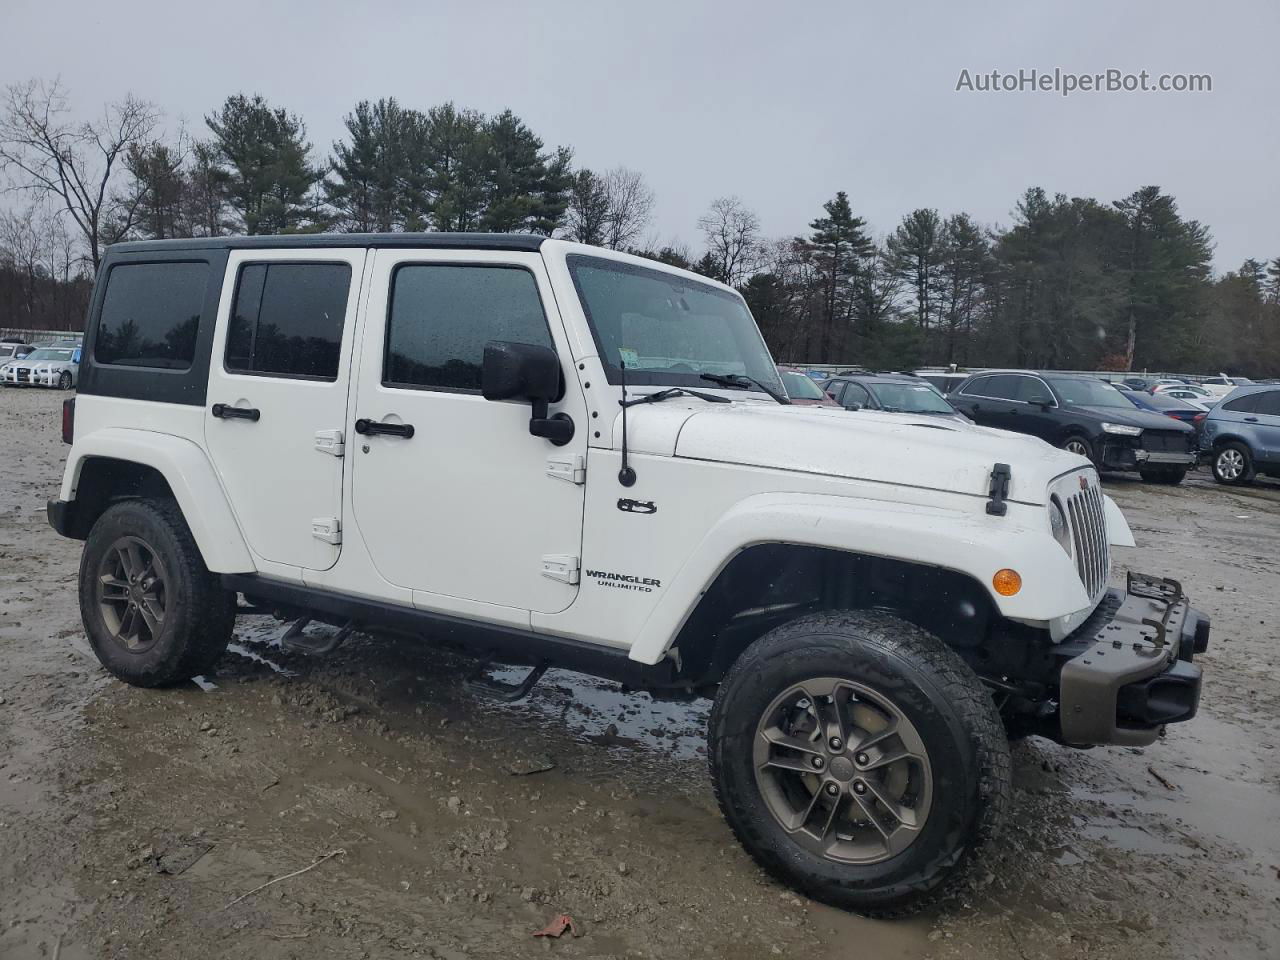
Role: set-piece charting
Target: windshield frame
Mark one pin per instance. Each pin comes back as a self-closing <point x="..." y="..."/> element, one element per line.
<point x="767" y="372"/>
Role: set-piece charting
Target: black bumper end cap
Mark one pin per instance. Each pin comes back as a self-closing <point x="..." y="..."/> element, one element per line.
<point x="60" y="516"/>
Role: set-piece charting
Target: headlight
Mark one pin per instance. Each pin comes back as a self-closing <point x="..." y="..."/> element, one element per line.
<point x="1058" y="525"/>
<point x="1122" y="429"/>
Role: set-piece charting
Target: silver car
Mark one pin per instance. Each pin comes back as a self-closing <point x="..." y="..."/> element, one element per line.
<point x="57" y="366"/>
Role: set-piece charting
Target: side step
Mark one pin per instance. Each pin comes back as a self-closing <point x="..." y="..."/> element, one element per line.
<point x="295" y="641"/>
<point x="506" y="692"/>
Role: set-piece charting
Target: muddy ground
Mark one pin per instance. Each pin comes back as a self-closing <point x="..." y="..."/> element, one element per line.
<point x="130" y="820"/>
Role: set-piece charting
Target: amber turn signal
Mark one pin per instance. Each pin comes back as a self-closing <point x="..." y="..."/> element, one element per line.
<point x="1007" y="582"/>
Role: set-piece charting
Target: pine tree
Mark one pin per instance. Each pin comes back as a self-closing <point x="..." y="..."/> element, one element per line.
<point x="370" y="188"/>
<point x="265" y="152"/>
<point x="838" y="241"/>
<point x="157" y="188"/>
<point x="914" y="252"/>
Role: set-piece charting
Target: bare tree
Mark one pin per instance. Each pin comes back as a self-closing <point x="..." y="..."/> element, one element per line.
<point x="630" y="207"/>
<point x="587" y="216"/>
<point x="77" y="164"/>
<point x="732" y="233"/>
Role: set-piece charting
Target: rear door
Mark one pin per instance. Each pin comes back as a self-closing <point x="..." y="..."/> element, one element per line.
<point x="990" y="400"/>
<point x="1267" y="410"/>
<point x="453" y="497"/>
<point x="277" y="398"/>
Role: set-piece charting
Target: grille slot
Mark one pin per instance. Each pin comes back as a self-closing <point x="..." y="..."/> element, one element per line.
<point x="1165" y="441"/>
<point x="1089" y="537"/>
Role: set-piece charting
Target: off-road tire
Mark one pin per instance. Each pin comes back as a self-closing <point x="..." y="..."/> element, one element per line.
<point x="937" y="691"/>
<point x="1170" y="477"/>
<point x="1086" y="448"/>
<point x="1246" y="458"/>
<point x="198" y="617"/>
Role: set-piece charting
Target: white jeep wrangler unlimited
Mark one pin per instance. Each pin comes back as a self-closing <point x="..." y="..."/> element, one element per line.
<point x="565" y="456"/>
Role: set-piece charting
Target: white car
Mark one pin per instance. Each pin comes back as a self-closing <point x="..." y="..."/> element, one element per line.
<point x="1221" y="385"/>
<point x="560" y="455"/>
<point x="57" y="367"/>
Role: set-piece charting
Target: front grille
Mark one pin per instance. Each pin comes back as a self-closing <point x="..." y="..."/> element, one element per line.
<point x="1089" y="537"/>
<point x="24" y="375"/>
<point x="1166" y="441"/>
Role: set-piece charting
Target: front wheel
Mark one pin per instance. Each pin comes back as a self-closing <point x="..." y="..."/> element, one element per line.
<point x="1165" y="475"/>
<point x="64" y="381"/>
<point x="858" y="759"/>
<point x="1080" y="446"/>
<point x="154" y="613"/>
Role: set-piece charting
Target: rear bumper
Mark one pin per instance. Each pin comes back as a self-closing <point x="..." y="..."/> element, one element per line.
<point x="1130" y="670"/>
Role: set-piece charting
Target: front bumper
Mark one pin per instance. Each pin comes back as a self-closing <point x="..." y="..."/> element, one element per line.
<point x="1126" y="453"/>
<point x="1129" y="670"/>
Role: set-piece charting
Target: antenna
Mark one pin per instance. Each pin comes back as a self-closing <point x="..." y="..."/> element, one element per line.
<point x="626" y="476"/>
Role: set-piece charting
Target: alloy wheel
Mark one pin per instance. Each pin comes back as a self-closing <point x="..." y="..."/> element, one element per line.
<point x="1230" y="464"/>
<point x="1077" y="447"/>
<point x="843" y="771"/>
<point x="131" y="592"/>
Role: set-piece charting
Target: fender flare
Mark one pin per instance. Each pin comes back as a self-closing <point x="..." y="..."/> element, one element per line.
<point x="967" y="542"/>
<point x="190" y="476"/>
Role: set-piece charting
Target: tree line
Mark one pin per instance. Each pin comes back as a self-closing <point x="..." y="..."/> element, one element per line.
<point x="1074" y="283"/>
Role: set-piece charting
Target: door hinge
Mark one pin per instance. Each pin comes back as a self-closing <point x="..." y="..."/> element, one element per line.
<point x="572" y="468"/>
<point x="330" y="442"/>
<point x="328" y="529"/>
<point x="559" y="566"/>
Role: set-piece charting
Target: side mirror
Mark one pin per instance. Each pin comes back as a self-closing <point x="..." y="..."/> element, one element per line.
<point x="853" y="405"/>
<point x="526" y="371"/>
<point x="1043" y="403"/>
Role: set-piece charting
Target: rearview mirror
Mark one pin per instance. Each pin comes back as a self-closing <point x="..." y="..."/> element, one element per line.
<point x="526" y="371"/>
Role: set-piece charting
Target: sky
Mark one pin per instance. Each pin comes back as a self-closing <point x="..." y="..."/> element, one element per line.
<point x="781" y="104"/>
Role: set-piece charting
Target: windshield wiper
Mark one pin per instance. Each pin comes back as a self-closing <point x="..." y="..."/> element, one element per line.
<point x="742" y="381"/>
<point x="675" y="392"/>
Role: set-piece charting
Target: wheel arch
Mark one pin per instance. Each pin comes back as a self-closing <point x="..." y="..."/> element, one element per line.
<point x="119" y="463"/>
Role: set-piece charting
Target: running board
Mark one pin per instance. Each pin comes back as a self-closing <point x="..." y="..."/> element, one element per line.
<point x="295" y="641"/>
<point x="506" y="692"/>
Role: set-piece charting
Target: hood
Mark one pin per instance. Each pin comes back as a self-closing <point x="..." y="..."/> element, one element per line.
<point x="938" y="453"/>
<point x="1137" y="417"/>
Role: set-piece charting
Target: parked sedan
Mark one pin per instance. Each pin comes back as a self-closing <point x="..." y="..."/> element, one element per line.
<point x="44" y="367"/>
<point x="1082" y="414"/>
<point x="802" y="389"/>
<point x="894" y="393"/>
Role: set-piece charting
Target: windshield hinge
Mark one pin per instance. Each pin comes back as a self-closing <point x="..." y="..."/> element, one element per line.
<point x="572" y="468"/>
<point x="562" y="567"/>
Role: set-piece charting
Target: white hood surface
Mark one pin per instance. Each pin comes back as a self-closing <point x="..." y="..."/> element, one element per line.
<point x="937" y="453"/>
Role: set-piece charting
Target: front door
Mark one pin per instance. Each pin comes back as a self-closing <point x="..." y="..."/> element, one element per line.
<point x="453" y="497"/>
<point x="277" y="398"/>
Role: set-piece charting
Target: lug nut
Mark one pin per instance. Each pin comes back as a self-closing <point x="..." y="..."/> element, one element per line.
<point x="818" y="763"/>
<point x="836" y="743"/>
<point x="859" y="787"/>
<point x="861" y="759"/>
<point x="832" y="789"/>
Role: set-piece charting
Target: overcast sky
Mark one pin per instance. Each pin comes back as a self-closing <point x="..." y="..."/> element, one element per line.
<point x="781" y="103"/>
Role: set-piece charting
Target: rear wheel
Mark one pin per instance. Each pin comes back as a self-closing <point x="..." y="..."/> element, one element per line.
<point x="1167" y="475"/>
<point x="1232" y="464"/>
<point x="858" y="759"/>
<point x="154" y="613"/>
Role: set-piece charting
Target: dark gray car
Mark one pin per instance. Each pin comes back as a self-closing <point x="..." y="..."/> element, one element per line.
<point x="1241" y="434"/>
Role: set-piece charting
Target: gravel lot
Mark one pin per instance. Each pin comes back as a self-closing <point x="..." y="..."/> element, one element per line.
<point x="130" y="819"/>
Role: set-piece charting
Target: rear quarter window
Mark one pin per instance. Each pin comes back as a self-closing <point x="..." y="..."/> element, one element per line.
<point x="151" y="315"/>
<point x="1245" y="404"/>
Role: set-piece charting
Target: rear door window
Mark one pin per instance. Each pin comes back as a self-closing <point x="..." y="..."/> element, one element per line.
<point x="287" y="320"/>
<point x="151" y="315"/>
<point x="999" y="387"/>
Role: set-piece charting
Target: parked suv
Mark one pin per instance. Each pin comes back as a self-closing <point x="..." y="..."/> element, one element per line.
<point x="1241" y="434"/>
<point x="1084" y="415"/>
<point x="558" y="455"/>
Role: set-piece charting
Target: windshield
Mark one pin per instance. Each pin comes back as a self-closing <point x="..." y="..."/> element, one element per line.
<point x="1089" y="393"/>
<point x="909" y="397"/>
<point x="667" y="329"/>
<point x="38" y="355"/>
<point x="800" y="387"/>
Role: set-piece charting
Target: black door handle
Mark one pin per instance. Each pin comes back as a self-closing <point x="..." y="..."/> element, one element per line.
<point x="224" y="411"/>
<point x="372" y="427"/>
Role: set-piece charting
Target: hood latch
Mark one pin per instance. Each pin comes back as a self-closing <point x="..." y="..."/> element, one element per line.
<point x="1000" y="475"/>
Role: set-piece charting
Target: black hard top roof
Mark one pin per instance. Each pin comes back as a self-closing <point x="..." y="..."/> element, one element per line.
<point x="447" y="241"/>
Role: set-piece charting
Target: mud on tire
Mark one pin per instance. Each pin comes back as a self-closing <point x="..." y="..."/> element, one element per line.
<point x="197" y="615"/>
<point x="901" y="670"/>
